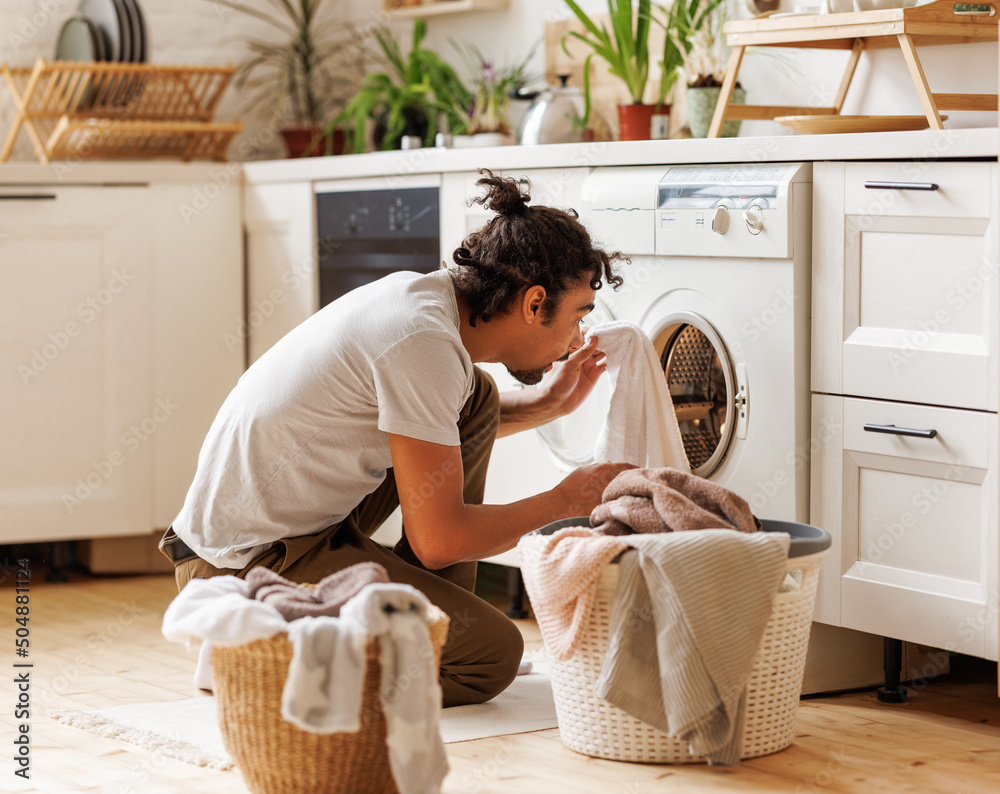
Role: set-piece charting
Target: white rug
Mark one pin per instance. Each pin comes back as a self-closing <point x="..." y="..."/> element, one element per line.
<point x="189" y="729"/>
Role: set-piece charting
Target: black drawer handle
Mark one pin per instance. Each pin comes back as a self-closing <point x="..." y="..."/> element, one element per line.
<point x="901" y="431"/>
<point x="901" y="185"/>
<point x="27" y="197"/>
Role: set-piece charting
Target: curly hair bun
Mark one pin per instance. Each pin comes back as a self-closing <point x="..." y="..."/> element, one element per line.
<point x="504" y="195"/>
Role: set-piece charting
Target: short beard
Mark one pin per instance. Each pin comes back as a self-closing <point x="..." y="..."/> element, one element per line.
<point x="529" y="377"/>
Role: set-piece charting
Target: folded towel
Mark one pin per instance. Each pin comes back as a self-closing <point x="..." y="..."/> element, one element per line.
<point x="667" y="500"/>
<point x="688" y="619"/>
<point x="641" y="427"/>
<point x="295" y="600"/>
<point x="560" y="574"/>
<point x="322" y="693"/>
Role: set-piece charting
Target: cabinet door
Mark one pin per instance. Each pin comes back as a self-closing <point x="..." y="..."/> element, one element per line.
<point x="904" y="289"/>
<point x="914" y="520"/>
<point x="282" y="269"/>
<point x="79" y="414"/>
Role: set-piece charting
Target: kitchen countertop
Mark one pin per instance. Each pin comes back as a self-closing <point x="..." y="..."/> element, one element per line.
<point x="967" y="143"/>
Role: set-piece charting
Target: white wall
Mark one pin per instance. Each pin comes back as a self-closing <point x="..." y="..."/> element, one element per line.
<point x="202" y="32"/>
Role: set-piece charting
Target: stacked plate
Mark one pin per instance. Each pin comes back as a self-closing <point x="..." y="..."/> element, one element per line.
<point x="104" y="30"/>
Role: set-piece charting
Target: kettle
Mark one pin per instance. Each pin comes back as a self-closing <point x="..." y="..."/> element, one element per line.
<point x="555" y="116"/>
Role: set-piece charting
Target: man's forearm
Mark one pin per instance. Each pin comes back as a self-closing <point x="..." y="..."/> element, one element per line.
<point x="524" y="409"/>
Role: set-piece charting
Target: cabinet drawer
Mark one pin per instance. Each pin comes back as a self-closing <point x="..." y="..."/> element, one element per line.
<point x="905" y="298"/>
<point x="916" y="519"/>
<point x="962" y="190"/>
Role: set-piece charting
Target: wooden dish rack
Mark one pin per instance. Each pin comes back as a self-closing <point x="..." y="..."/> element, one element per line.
<point x="101" y="110"/>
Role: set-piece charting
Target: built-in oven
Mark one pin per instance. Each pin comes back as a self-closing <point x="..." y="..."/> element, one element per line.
<point x="367" y="229"/>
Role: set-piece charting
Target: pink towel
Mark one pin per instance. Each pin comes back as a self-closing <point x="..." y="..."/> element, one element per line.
<point x="295" y="600"/>
<point x="668" y="500"/>
<point x="560" y="574"/>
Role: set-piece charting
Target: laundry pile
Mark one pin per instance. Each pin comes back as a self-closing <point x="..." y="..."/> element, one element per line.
<point x="330" y="626"/>
<point x="690" y="608"/>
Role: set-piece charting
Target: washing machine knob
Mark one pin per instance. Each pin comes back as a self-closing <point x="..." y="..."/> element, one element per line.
<point x="755" y="219"/>
<point x="720" y="220"/>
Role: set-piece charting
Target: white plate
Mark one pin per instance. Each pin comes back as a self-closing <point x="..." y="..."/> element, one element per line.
<point x="104" y="14"/>
<point x="794" y="14"/>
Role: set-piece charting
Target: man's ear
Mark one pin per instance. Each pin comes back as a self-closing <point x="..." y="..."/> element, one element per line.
<point x="533" y="303"/>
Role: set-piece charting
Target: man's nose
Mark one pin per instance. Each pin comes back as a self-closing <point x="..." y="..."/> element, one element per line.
<point x="577" y="342"/>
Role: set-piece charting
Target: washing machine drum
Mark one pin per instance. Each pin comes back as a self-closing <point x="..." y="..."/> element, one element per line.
<point x="699" y="373"/>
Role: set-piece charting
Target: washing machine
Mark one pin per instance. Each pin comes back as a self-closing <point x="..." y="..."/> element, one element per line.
<point x="719" y="279"/>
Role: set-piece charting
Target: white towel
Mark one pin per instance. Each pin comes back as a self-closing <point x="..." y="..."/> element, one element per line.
<point x="322" y="693"/>
<point x="688" y="619"/>
<point x="218" y="609"/>
<point x="641" y="427"/>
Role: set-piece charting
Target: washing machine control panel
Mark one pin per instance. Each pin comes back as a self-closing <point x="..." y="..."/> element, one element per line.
<point x="723" y="210"/>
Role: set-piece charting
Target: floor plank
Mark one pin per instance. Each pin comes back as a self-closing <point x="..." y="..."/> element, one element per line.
<point x="96" y="643"/>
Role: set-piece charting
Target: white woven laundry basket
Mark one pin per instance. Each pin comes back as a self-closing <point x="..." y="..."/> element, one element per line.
<point x="592" y="726"/>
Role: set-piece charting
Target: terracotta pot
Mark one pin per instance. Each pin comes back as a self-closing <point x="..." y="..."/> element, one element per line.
<point x="635" y="121"/>
<point x="298" y="141"/>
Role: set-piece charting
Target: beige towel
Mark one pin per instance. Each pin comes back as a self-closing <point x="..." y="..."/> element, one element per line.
<point x="689" y="616"/>
<point x="668" y="500"/>
<point x="296" y="601"/>
<point x="560" y="574"/>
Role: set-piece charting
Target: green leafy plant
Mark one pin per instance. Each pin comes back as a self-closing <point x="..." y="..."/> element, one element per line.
<point x="492" y="86"/>
<point x="310" y="71"/>
<point x="694" y="42"/>
<point x="625" y="48"/>
<point x="408" y="95"/>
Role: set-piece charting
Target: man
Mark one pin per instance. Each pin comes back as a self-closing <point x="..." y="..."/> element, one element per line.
<point x="375" y="402"/>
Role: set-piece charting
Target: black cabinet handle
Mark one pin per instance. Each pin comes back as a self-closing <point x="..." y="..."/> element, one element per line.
<point x="900" y="431"/>
<point x="27" y="196"/>
<point x="873" y="185"/>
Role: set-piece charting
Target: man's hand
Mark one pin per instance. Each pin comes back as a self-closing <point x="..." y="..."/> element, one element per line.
<point x="581" y="490"/>
<point x="571" y="381"/>
<point x="565" y="387"/>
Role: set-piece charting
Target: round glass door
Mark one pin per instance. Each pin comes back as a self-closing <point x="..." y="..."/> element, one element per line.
<point x="571" y="439"/>
<point x="699" y="374"/>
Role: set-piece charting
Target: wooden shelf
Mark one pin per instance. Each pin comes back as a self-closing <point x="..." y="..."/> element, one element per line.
<point x="906" y="28"/>
<point x="443" y="7"/>
<point x="115" y="110"/>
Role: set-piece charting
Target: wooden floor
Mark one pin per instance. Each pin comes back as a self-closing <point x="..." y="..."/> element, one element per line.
<point x="96" y="643"/>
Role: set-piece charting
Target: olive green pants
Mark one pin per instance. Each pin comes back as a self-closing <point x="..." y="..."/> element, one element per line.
<point x="484" y="648"/>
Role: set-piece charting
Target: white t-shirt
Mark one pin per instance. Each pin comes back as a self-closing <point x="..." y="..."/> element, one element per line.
<point x="303" y="437"/>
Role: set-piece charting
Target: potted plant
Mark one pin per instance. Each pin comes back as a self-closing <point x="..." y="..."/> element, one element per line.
<point x="492" y="87"/>
<point x="694" y="46"/>
<point x="305" y="75"/>
<point x="406" y="98"/>
<point x="626" y="51"/>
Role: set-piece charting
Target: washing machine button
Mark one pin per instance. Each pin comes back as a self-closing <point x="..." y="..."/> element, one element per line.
<point x="755" y="219"/>
<point x="720" y="220"/>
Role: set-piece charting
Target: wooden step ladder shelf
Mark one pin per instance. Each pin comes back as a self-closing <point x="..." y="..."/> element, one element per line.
<point x="117" y="110"/>
<point x="907" y="28"/>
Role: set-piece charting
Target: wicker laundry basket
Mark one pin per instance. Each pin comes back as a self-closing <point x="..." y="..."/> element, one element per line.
<point x="592" y="726"/>
<point x="277" y="757"/>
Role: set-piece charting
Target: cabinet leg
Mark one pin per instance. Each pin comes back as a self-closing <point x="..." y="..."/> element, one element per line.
<point x="515" y="593"/>
<point x="892" y="663"/>
<point x="59" y="567"/>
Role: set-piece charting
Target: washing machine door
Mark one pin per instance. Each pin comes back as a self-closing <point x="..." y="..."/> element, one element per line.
<point x="571" y="439"/>
<point x="708" y="397"/>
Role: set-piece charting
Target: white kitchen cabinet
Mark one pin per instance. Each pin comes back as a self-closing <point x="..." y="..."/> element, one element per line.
<point x="116" y="305"/>
<point x="282" y="269"/>
<point x="76" y="281"/>
<point x="904" y="468"/>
